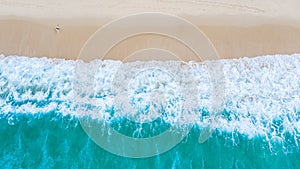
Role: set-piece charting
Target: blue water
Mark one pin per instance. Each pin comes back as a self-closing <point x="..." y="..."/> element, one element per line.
<point x="257" y="125"/>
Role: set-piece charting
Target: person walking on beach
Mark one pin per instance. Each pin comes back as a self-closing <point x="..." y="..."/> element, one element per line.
<point x="57" y="28"/>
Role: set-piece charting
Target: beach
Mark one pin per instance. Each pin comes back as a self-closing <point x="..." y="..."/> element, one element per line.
<point x="236" y="29"/>
<point x="150" y="84"/>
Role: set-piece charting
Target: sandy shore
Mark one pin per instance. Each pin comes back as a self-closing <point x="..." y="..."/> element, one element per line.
<point x="248" y="28"/>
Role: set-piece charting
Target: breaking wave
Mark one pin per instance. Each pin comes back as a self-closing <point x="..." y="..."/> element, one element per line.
<point x="259" y="113"/>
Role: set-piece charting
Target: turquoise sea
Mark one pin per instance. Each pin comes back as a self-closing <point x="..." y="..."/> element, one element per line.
<point x="46" y="114"/>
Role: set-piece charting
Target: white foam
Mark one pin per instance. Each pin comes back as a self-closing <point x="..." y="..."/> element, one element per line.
<point x="261" y="95"/>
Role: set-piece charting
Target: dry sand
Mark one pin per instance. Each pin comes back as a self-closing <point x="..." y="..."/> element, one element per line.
<point x="236" y="28"/>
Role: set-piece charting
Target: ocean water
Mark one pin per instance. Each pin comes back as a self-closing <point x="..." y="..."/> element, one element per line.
<point x="256" y="123"/>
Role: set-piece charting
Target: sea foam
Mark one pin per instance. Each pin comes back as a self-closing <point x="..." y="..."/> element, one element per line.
<point x="261" y="95"/>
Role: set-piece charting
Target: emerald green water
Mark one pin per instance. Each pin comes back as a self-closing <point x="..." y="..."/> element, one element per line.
<point x="55" y="141"/>
<point x="257" y="127"/>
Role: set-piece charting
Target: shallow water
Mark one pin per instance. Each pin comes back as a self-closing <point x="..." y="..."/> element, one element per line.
<point x="257" y="125"/>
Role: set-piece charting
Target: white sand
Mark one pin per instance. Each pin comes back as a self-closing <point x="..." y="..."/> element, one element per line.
<point x="236" y="28"/>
